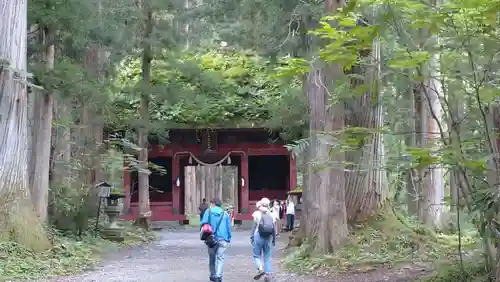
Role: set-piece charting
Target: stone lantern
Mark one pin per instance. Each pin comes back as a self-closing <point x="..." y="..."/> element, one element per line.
<point x="113" y="231"/>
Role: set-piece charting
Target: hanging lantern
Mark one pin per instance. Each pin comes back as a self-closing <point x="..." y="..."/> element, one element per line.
<point x="190" y="160"/>
<point x="228" y="160"/>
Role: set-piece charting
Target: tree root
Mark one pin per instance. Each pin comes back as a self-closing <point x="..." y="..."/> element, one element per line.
<point x="20" y="224"/>
<point x="143" y="222"/>
<point x="295" y="239"/>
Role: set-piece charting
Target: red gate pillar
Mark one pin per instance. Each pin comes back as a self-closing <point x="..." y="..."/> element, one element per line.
<point x="176" y="193"/>
<point x="244" y="195"/>
<point x="127" y="188"/>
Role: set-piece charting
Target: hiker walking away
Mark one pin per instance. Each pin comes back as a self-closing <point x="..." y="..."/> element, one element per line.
<point x="263" y="238"/>
<point x="256" y="212"/>
<point x="275" y="211"/>
<point x="216" y="232"/>
<point x="290" y="214"/>
<point x="202" y="208"/>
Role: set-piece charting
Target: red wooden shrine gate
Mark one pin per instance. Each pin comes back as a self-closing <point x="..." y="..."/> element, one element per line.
<point x="265" y="169"/>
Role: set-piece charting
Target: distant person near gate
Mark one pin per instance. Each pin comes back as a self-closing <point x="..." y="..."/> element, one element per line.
<point x="203" y="207"/>
<point x="275" y="211"/>
<point x="290" y="214"/>
<point x="216" y="232"/>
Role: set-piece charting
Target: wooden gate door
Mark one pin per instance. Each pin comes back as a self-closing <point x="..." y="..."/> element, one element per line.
<point x="210" y="182"/>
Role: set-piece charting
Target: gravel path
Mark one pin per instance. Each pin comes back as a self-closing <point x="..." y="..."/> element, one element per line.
<point x="180" y="256"/>
<point x="177" y="256"/>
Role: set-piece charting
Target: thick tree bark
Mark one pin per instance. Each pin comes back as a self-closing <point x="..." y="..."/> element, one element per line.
<point x="492" y="125"/>
<point x="18" y="221"/>
<point x="144" y="205"/>
<point x="366" y="181"/>
<point x="92" y="123"/>
<point x="412" y="184"/>
<point x="61" y="156"/>
<point x="324" y="199"/>
<point x="324" y="196"/>
<point x="87" y="149"/>
<point x="62" y="177"/>
<point x="85" y="142"/>
<point x="42" y="134"/>
<point x="61" y="153"/>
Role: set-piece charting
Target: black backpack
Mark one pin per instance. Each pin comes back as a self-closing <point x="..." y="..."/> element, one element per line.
<point x="266" y="225"/>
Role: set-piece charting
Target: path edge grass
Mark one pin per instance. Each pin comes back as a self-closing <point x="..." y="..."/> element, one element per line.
<point x="69" y="255"/>
<point x="386" y="241"/>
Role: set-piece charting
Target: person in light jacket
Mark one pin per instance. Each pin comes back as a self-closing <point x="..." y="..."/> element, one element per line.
<point x="262" y="246"/>
<point x="275" y="210"/>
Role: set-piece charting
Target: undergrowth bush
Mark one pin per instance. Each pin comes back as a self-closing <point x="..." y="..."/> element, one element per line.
<point x="70" y="254"/>
<point x="382" y="241"/>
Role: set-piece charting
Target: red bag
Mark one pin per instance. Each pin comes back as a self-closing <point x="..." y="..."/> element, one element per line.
<point x="206" y="231"/>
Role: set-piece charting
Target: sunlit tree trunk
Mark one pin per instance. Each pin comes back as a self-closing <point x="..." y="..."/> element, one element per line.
<point x="18" y="221"/>
<point x="431" y="196"/>
<point x="187" y="5"/>
<point x="42" y="133"/>
<point x="366" y="180"/>
<point x="144" y="205"/>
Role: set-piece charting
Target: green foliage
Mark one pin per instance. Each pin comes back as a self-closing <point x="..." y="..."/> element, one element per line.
<point x="69" y="255"/>
<point x="450" y="48"/>
<point x="73" y="204"/>
<point x="213" y="89"/>
<point x="346" y="41"/>
<point x="64" y="258"/>
<point x="271" y="28"/>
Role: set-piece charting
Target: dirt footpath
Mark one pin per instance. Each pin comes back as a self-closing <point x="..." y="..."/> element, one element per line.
<point x="180" y="256"/>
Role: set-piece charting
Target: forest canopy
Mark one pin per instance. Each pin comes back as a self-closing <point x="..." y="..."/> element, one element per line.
<point x="217" y="88"/>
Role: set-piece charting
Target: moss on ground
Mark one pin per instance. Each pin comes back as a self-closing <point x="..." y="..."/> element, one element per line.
<point x="383" y="241"/>
<point x="472" y="271"/>
<point x="69" y="255"/>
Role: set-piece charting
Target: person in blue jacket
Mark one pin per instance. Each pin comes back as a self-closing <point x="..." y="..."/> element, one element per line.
<point x="222" y="236"/>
